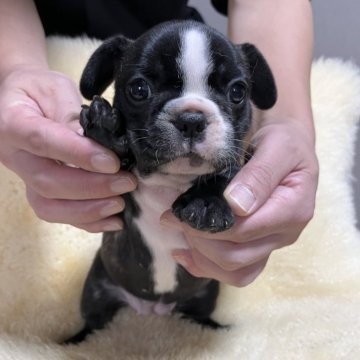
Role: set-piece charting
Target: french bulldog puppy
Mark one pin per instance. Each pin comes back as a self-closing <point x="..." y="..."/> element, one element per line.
<point x="181" y="111"/>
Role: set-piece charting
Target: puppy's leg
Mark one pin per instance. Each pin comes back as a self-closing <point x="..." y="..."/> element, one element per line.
<point x="99" y="303"/>
<point x="101" y="123"/>
<point x="200" y="307"/>
<point x="204" y="207"/>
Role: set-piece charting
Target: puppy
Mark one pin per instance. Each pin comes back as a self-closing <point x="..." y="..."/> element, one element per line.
<point x="181" y="110"/>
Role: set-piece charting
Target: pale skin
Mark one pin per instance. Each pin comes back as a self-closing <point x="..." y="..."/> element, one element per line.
<point x="36" y="129"/>
<point x="40" y="133"/>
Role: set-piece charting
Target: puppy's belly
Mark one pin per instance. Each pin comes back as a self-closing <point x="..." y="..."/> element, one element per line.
<point x="154" y="200"/>
<point x="141" y="306"/>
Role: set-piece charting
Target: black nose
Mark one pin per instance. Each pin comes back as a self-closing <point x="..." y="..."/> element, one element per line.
<point x="191" y="124"/>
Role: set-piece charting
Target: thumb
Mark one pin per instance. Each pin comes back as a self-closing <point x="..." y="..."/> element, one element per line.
<point x="257" y="180"/>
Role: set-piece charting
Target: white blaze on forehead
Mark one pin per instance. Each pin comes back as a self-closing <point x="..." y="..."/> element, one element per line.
<point x="195" y="62"/>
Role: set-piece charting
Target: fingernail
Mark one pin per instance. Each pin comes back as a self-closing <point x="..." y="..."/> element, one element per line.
<point x="112" y="226"/>
<point x="104" y="163"/>
<point x="123" y="185"/>
<point x="181" y="260"/>
<point x="242" y="196"/>
<point x="111" y="208"/>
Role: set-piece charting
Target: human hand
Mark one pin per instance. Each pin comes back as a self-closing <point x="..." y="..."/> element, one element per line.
<point x="273" y="197"/>
<point x="39" y="132"/>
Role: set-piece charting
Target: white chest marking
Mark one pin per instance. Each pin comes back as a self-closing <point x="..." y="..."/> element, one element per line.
<point x="155" y="195"/>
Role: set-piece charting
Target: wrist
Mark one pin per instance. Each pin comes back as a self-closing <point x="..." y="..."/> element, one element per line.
<point x="22" y="37"/>
<point x="22" y="66"/>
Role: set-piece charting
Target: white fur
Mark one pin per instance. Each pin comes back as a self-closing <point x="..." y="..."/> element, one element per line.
<point x="218" y="131"/>
<point x="156" y="194"/>
<point x="196" y="65"/>
<point x="195" y="62"/>
<point x="182" y="166"/>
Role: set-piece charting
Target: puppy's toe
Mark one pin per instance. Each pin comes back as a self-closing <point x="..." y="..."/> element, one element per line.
<point x="100" y="123"/>
<point x="219" y="217"/>
<point x="102" y="114"/>
<point x="191" y="212"/>
<point x="212" y="214"/>
<point x="85" y="122"/>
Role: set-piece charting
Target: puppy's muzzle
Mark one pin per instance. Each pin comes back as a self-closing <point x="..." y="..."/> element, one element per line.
<point x="191" y="125"/>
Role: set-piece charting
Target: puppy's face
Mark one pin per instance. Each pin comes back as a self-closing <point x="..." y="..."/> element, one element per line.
<point x="183" y="92"/>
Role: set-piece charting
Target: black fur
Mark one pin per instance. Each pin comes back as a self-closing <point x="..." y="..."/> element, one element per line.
<point x="128" y="128"/>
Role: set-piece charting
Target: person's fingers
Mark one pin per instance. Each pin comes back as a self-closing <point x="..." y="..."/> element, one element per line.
<point x="112" y="223"/>
<point x="231" y="256"/>
<point x="74" y="211"/>
<point x="46" y="138"/>
<point x="200" y="266"/>
<point x="255" y="182"/>
<point x="56" y="181"/>
<point x="269" y="219"/>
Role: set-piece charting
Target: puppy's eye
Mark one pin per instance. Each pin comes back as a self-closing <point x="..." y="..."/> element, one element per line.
<point x="139" y="89"/>
<point x="237" y="92"/>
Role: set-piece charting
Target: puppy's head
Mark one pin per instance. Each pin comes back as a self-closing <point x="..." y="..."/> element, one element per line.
<point x="184" y="93"/>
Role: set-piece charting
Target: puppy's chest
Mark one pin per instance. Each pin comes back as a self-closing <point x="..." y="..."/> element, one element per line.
<point x="154" y="195"/>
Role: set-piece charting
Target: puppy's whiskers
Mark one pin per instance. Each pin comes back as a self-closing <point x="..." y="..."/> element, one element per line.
<point x="211" y="115"/>
<point x="138" y="139"/>
<point x="147" y="130"/>
<point x="156" y="156"/>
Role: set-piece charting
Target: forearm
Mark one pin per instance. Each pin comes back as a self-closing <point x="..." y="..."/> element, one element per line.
<point x="22" y="39"/>
<point x="284" y="34"/>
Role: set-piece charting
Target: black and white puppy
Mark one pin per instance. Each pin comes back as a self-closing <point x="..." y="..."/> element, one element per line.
<point x="181" y="111"/>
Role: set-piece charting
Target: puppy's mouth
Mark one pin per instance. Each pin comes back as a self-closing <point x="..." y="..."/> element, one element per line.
<point x="190" y="136"/>
<point x="187" y="164"/>
<point x="195" y="160"/>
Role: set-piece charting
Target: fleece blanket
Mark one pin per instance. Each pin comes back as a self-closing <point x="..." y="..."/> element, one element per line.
<point x="305" y="305"/>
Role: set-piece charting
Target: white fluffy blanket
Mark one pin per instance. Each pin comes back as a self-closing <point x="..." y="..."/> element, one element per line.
<point x="305" y="305"/>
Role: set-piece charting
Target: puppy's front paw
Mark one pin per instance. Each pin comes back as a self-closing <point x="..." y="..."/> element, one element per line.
<point x="100" y="123"/>
<point x="206" y="213"/>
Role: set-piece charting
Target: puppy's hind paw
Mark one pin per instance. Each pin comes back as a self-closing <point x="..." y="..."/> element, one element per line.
<point x="209" y="213"/>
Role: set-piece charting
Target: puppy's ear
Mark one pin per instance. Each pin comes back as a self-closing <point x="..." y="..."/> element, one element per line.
<point x="100" y="70"/>
<point x="263" y="91"/>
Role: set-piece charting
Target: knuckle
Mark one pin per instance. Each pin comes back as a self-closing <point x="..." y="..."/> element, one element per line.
<point x="241" y="281"/>
<point x="42" y="184"/>
<point x="39" y="206"/>
<point x="36" y="140"/>
<point x="81" y="153"/>
<point x="60" y="80"/>
<point x="243" y="278"/>
<point x="262" y="174"/>
<point x="302" y="213"/>
<point x="232" y="262"/>
<point x="304" y="216"/>
<point x="229" y="265"/>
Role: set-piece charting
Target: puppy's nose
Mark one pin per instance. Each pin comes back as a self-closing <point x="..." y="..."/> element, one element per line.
<point x="191" y="124"/>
